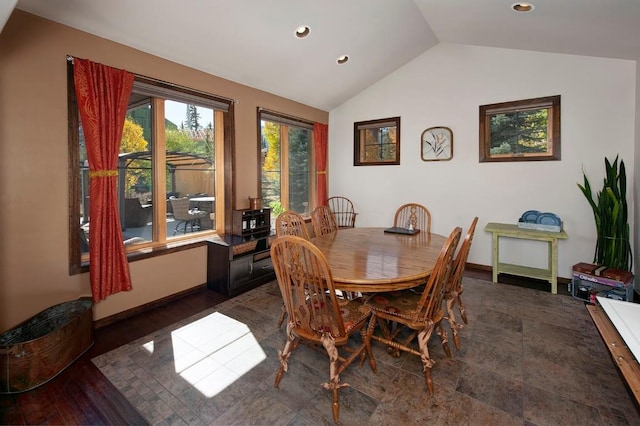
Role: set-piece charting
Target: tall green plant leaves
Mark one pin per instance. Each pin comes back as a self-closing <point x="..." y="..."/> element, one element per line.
<point x="613" y="248"/>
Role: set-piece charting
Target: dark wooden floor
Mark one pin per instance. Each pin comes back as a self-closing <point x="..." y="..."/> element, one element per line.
<point x="82" y="395"/>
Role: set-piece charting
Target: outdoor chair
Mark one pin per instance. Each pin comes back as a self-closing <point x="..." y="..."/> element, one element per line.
<point x="184" y="216"/>
<point x="323" y="221"/>
<point x="415" y="215"/>
<point x="135" y="214"/>
<point x="343" y="210"/>
<point x="454" y="287"/>
<point x="420" y="312"/>
<point x="316" y="315"/>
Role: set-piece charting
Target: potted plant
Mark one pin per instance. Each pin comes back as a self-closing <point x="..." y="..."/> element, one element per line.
<point x="613" y="248"/>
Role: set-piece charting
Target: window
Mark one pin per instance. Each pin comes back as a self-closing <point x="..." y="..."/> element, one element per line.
<point x="376" y="142"/>
<point x="172" y="140"/>
<point x="521" y="130"/>
<point x="287" y="166"/>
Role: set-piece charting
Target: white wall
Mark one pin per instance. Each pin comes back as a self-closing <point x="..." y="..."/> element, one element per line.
<point x="636" y="182"/>
<point x="444" y="87"/>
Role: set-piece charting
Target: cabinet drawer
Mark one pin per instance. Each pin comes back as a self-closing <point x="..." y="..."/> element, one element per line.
<point x="247" y="268"/>
<point x="261" y="265"/>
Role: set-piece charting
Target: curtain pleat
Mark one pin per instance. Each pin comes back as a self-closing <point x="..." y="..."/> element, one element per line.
<point x="103" y="94"/>
<point x="320" y="132"/>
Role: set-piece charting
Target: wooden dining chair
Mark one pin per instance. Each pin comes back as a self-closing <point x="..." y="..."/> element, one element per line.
<point x="291" y="223"/>
<point x="419" y="311"/>
<point x="316" y="315"/>
<point x="343" y="210"/>
<point x="415" y="214"/>
<point x="454" y="287"/>
<point x="323" y="221"/>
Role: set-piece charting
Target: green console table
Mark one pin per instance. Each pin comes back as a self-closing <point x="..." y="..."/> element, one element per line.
<point x="512" y="231"/>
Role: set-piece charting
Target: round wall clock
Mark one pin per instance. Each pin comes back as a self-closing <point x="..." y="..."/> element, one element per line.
<point x="437" y="144"/>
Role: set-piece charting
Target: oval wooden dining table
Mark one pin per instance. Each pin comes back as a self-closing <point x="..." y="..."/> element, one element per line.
<point x="370" y="260"/>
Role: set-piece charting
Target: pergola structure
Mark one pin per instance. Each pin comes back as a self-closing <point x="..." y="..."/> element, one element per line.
<point x="174" y="161"/>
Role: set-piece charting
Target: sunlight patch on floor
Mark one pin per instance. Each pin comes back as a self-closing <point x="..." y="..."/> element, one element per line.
<point x="213" y="352"/>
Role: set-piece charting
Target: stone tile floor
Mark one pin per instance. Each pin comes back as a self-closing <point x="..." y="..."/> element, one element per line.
<point x="527" y="358"/>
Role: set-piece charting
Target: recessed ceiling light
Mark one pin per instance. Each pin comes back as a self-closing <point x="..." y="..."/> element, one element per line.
<point x="522" y="7"/>
<point x="302" y="31"/>
<point x="342" y="59"/>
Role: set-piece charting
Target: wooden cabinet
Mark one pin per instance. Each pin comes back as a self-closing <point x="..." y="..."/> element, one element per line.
<point x="236" y="264"/>
<point x="251" y="223"/>
<point x="239" y="262"/>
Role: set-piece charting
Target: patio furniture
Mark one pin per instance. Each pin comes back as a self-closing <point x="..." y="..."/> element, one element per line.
<point x="135" y="214"/>
<point x="184" y="216"/>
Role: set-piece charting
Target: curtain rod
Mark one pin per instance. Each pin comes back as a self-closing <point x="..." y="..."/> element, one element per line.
<point x="155" y="80"/>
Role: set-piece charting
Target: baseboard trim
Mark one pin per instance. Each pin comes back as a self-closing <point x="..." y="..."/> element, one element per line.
<point x="147" y="306"/>
<point x="172" y="297"/>
<point x="478" y="267"/>
<point x="488" y="268"/>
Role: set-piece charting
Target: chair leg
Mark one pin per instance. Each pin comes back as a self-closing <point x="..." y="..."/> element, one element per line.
<point x="367" y="341"/>
<point x="450" y="302"/>
<point x="284" y="356"/>
<point x="177" y="228"/>
<point x="283" y="315"/>
<point x="389" y="330"/>
<point x="444" y="338"/>
<point x="423" y="339"/>
<point x="463" y="314"/>
<point x="334" y="383"/>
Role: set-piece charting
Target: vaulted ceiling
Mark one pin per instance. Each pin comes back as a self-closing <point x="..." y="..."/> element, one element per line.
<point x="252" y="42"/>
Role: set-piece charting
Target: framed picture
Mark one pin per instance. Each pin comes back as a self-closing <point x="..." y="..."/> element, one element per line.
<point x="437" y="144"/>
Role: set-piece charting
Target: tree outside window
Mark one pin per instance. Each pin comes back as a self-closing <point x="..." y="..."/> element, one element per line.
<point x="520" y="130"/>
<point x="286" y="163"/>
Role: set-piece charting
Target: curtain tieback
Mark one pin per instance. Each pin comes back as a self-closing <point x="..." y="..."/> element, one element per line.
<point x="103" y="173"/>
<point x="321" y="172"/>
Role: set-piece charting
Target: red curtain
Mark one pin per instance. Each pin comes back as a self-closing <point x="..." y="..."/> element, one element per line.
<point x="320" y="143"/>
<point x="103" y="94"/>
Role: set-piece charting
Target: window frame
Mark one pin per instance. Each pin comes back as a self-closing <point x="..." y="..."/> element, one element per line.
<point x="223" y="160"/>
<point x="359" y="145"/>
<point x="287" y="121"/>
<point x="486" y="112"/>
